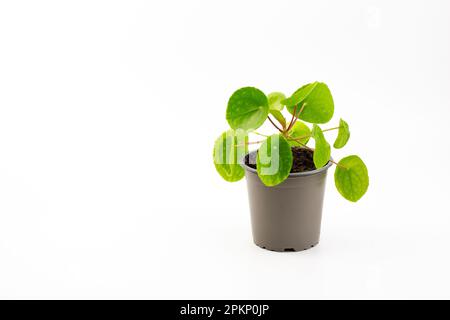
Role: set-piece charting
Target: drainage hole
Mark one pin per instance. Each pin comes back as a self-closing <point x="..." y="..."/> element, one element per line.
<point x="289" y="249"/>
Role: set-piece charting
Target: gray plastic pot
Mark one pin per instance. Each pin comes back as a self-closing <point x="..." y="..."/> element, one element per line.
<point x="287" y="217"/>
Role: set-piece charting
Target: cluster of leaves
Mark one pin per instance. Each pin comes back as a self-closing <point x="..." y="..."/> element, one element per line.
<point x="248" y="108"/>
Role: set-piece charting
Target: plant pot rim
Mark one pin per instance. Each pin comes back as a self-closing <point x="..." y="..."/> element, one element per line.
<point x="291" y="175"/>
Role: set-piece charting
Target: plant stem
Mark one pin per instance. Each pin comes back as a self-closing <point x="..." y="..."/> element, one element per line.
<point x="260" y="134"/>
<point x="279" y="117"/>
<point x="299" y="142"/>
<point x="268" y="117"/>
<point x="329" y="129"/>
<point x="297" y="114"/>
<point x="254" y="142"/>
<point x="292" y="119"/>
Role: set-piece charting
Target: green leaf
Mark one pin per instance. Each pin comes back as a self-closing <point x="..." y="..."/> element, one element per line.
<point x="343" y="135"/>
<point x="317" y="100"/>
<point x="322" y="150"/>
<point x="351" y="178"/>
<point x="275" y="101"/>
<point x="299" y="95"/>
<point x="274" y="160"/>
<point x="247" y="109"/>
<point x="279" y="116"/>
<point x="229" y="149"/>
<point x="299" y="131"/>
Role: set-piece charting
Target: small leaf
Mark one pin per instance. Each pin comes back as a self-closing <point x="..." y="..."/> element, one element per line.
<point x="247" y="109"/>
<point x="299" y="131"/>
<point x="343" y="135"/>
<point x="229" y="149"/>
<point x="322" y="150"/>
<point x="318" y="101"/>
<point x="351" y="178"/>
<point x="275" y="99"/>
<point x="279" y="116"/>
<point x="274" y="160"/>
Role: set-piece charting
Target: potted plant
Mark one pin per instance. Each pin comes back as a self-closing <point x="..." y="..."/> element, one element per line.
<point x="286" y="177"/>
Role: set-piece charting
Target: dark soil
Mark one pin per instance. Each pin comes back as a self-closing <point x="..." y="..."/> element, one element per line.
<point x="302" y="160"/>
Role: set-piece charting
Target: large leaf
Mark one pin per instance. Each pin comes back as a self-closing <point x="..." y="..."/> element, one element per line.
<point x="274" y="160"/>
<point x="301" y="132"/>
<point x="247" y="109"/>
<point x="229" y="149"/>
<point x="343" y="135"/>
<point x="322" y="149"/>
<point x="275" y="101"/>
<point x="318" y="101"/>
<point x="351" y="178"/>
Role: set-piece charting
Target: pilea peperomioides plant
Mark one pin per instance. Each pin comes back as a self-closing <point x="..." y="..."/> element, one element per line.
<point x="249" y="108"/>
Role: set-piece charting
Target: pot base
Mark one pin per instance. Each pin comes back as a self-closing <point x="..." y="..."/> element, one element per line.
<point x="287" y="249"/>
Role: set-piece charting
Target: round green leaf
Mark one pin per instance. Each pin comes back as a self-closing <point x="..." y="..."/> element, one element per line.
<point x="343" y="135"/>
<point x="247" y="109"/>
<point x="322" y="149"/>
<point x="275" y="101"/>
<point x="351" y="178"/>
<point x="318" y="101"/>
<point x="299" y="131"/>
<point x="229" y="149"/>
<point x="274" y="160"/>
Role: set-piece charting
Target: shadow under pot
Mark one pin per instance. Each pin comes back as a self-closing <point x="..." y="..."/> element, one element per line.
<point x="286" y="217"/>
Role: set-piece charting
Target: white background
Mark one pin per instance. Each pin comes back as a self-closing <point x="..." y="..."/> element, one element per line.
<point x="109" y="111"/>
